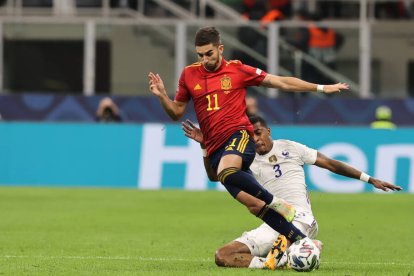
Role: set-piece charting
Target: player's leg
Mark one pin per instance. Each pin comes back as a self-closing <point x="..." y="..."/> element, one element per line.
<point x="257" y="249"/>
<point x="306" y="223"/>
<point x="276" y="248"/>
<point x="234" y="254"/>
<point x="235" y="158"/>
<point x="230" y="173"/>
<point x="249" y="250"/>
<point x="268" y="215"/>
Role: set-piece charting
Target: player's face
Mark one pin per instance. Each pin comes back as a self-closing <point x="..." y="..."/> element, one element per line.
<point x="262" y="138"/>
<point x="210" y="56"/>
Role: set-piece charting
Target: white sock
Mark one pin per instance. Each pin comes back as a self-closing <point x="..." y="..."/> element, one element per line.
<point x="283" y="260"/>
<point x="257" y="262"/>
<point x="275" y="201"/>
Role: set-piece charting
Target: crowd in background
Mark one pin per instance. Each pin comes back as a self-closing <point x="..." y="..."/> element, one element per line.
<point x="319" y="42"/>
<point x="327" y="9"/>
<point x="278" y="9"/>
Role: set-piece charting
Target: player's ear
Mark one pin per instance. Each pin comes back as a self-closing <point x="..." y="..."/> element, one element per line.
<point x="221" y="48"/>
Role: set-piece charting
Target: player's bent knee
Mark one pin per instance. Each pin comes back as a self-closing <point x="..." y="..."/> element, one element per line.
<point x="218" y="259"/>
<point x="221" y="257"/>
<point x="222" y="176"/>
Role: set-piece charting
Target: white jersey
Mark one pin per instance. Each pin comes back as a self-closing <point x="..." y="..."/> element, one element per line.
<point x="280" y="171"/>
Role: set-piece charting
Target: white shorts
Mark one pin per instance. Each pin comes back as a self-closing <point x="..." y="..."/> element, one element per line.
<point x="260" y="240"/>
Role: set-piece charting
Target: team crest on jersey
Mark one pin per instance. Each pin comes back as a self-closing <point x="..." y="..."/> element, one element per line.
<point x="273" y="159"/>
<point x="225" y="83"/>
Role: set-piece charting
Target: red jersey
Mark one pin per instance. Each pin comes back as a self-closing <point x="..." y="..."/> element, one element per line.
<point x="219" y="98"/>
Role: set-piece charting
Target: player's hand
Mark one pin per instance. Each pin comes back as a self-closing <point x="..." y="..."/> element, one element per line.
<point x="335" y="88"/>
<point x="192" y="132"/>
<point x="156" y="85"/>
<point x="385" y="186"/>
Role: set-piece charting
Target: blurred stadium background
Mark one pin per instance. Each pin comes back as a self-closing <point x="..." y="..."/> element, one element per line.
<point x="59" y="58"/>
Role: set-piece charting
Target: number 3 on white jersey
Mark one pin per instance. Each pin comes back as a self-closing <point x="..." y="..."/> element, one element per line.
<point x="278" y="171"/>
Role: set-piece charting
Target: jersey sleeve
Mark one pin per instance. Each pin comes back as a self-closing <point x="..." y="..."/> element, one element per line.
<point x="306" y="154"/>
<point x="252" y="76"/>
<point x="182" y="94"/>
<point x="254" y="168"/>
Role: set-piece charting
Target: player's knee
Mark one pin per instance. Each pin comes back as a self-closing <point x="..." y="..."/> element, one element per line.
<point x="221" y="257"/>
<point x="222" y="176"/>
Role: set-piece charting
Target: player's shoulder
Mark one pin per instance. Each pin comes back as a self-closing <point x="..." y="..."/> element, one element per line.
<point x="285" y="142"/>
<point x="233" y="62"/>
<point x="289" y="145"/>
<point x="194" y="65"/>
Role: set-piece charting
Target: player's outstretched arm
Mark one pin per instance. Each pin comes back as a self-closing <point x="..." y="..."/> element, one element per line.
<point x="297" y="85"/>
<point x="174" y="109"/>
<point x="341" y="168"/>
<point x="193" y="132"/>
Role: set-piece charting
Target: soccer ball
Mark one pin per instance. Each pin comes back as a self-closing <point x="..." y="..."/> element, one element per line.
<point x="303" y="255"/>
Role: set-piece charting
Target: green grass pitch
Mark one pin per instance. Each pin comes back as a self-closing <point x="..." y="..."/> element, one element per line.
<point x="59" y="231"/>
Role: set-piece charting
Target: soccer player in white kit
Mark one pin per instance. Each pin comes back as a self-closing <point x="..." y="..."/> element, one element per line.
<point x="278" y="166"/>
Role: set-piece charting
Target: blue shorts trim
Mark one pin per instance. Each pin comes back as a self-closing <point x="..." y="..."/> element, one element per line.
<point x="240" y="143"/>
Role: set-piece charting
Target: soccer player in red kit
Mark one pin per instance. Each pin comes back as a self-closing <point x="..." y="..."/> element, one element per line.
<point x="218" y="89"/>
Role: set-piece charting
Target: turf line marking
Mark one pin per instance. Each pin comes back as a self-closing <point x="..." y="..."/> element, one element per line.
<point x="359" y="263"/>
<point x="146" y="259"/>
<point x="107" y="258"/>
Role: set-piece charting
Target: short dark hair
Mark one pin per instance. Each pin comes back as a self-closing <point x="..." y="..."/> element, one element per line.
<point x="257" y="119"/>
<point x="207" y="35"/>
